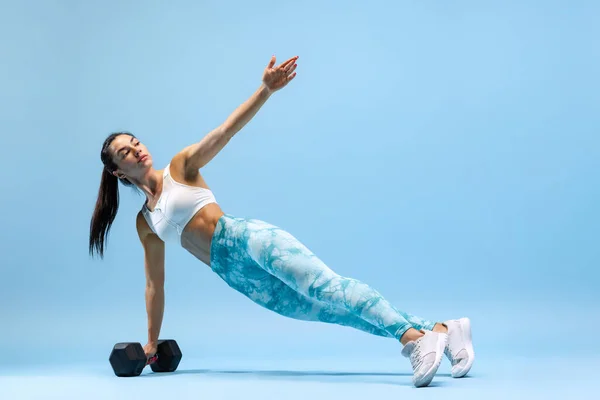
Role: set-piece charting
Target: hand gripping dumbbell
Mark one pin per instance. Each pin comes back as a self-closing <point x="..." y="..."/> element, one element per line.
<point x="129" y="359"/>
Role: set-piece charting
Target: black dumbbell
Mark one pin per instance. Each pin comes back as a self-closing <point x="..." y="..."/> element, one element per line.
<point x="129" y="359"/>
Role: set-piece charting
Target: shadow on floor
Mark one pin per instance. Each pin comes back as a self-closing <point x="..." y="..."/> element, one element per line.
<point x="326" y="376"/>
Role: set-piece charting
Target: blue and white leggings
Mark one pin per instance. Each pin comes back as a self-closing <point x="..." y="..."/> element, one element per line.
<point x="275" y="270"/>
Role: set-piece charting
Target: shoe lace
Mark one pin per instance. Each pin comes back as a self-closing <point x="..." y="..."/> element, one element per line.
<point x="415" y="357"/>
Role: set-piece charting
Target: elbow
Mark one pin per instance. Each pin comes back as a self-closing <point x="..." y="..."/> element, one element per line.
<point x="226" y="130"/>
<point x="153" y="287"/>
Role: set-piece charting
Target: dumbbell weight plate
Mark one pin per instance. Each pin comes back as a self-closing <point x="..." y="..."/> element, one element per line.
<point x="127" y="359"/>
<point x="169" y="356"/>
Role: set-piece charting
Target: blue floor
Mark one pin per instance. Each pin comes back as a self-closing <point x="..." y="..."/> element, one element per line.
<point x="510" y="378"/>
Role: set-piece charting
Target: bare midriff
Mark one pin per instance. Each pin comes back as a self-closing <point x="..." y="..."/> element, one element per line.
<point x="197" y="235"/>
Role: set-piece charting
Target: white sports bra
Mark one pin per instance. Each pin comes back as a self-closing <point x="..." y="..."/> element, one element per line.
<point x="176" y="206"/>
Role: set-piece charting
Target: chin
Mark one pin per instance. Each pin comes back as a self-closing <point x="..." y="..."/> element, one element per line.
<point x="145" y="165"/>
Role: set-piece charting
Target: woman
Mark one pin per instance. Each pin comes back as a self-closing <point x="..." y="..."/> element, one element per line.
<point x="262" y="261"/>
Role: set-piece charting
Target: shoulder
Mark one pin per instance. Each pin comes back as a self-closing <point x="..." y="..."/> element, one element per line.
<point x="180" y="168"/>
<point x="148" y="238"/>
<point x="143" y="229"/>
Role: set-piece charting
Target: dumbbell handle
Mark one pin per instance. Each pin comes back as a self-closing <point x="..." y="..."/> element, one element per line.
<point x="152" y="359"/>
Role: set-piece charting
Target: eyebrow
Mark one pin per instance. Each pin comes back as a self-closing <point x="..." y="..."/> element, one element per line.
<point x="123" y="148"/>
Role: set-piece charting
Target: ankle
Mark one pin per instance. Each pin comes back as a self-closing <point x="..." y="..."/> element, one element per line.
<point x="410" y="335"/>
<point x="441" y="328"/>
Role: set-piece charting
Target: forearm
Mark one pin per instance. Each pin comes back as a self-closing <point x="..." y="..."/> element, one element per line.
<point x="155" y="305"/>
<point x="245" y="111"/>
<point x="211" y="144"/>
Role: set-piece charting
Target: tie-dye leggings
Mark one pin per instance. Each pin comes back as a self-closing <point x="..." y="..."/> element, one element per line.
<point x="275" y="270"/>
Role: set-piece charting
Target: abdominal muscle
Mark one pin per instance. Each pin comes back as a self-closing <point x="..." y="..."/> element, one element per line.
<point x="197" y="234"/>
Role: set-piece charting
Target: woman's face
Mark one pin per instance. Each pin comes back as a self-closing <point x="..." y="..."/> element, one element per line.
<point x="130" y="155"/>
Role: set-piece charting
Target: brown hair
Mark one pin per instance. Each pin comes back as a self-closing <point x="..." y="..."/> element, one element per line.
<point x="107" y="203"/>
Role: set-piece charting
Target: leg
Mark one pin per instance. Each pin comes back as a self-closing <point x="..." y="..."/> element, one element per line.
<point x="270" y="292"/>
<point x="283" y="256"/>
<point x="272" y="268"/>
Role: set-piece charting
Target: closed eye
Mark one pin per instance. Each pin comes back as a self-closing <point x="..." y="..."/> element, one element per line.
<point x="127" y="151"/>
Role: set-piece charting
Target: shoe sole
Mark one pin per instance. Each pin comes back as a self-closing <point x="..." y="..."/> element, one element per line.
<point x="465" y="325"/>
<point x="441" y="345"/>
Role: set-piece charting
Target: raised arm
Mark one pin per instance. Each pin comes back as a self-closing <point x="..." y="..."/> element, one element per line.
<point x="274" y="78"/>
<point x="154" y="265"/>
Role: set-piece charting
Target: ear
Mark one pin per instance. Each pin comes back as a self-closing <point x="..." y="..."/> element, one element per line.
<point x="119" y="175"/>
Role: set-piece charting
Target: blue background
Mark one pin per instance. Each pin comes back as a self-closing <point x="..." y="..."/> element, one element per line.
<point x="446" y="153"/>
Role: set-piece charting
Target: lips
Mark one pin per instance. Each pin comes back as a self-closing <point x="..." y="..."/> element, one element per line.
<point x="143" y="158"/>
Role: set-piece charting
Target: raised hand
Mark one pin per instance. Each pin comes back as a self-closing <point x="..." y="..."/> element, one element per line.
<point x="275" y="78"/>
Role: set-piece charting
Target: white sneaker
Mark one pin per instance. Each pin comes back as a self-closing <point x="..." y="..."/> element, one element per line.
<point x="425" y="355"/>
<point x="459" y="349"/>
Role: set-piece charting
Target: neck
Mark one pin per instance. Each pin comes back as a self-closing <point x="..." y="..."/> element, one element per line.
<point x="151" y="183"/>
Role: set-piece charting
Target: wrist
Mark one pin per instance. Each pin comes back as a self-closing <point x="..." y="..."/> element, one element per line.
<point x="264" y="90"/>
<point x="152" y="337"/>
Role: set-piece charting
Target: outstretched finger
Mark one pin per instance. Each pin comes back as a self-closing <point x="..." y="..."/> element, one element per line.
<point x="272" y="62"/>
<point x="292" y="69"/>
<point x="292" y="76"/>
<point x="286" y="63"/>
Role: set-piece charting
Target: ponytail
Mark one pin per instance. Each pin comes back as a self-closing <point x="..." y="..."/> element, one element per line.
<point x="105" y="212"/>
<point x="107" y="203"/>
